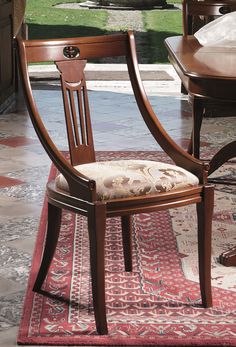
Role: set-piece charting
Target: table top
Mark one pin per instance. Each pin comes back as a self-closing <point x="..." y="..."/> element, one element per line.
<point x="196" y="61"/>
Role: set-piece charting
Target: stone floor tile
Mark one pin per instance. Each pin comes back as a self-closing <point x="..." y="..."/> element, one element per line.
<point x="14" y="159"/>
<point x="23" y="244"/>
<point x="8" y="337"/>
<point x="8" y="286"/>
<point x="8" y="182"/>
<point x="10" y="310"/>
<point x="10" y="208"/>
<point x="17" y="141"/>
<point x="17" y="227"/>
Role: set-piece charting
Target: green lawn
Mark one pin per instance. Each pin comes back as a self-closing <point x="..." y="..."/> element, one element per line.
<point x="46" y="21"/>
<point x="159" y="25"/>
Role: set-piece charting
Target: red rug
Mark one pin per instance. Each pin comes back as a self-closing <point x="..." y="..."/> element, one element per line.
<point x="157" y="304"/>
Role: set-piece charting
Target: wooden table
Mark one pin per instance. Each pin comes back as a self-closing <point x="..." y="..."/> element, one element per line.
<point x="206" y="73"/>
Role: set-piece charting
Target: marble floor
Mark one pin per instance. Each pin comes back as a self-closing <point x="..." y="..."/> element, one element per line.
<point x="24" y="166"/>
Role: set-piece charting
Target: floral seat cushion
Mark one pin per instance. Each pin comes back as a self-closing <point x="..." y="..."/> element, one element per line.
<point x="127" y="178"/>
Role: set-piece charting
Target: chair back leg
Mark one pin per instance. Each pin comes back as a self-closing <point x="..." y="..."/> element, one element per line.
<point x="205" y="213"/>
<point x="97" y="228"/>
<point x="126" y="224"/>
<point x="53" y="228"/>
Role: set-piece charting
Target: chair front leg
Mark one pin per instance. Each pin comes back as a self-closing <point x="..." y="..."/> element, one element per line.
<point x="205" y="214"/>
<point x="127" y="241"/>
<point x="97" y="228"/>
<point x="53" y="228"/>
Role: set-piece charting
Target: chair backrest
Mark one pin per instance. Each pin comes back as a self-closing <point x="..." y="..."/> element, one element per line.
<point x="198" y="13"/>
<point x="70" y="57"/>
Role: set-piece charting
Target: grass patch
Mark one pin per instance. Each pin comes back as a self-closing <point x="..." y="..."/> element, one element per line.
<point x="160" y="25"/>
<point x="46" y="21"/>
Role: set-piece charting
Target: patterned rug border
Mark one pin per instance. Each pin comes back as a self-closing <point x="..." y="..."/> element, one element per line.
<point x="90" y="340"/>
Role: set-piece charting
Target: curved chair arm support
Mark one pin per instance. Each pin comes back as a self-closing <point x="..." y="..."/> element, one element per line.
<point x="176" y="153"/>
<point x="79" y="185"/>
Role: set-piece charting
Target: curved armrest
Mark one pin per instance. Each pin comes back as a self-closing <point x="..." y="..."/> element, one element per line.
<point x="175" y="152"/>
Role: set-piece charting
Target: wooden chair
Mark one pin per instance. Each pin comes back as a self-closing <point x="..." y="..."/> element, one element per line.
<point x="198" y="13"/>
<point x="80" y="186"/>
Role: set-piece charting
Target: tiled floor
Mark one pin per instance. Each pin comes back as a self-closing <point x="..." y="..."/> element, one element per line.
<point x="24" y="166"/>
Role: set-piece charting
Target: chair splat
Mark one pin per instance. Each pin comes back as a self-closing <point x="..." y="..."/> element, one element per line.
<point x="77" y="111"/>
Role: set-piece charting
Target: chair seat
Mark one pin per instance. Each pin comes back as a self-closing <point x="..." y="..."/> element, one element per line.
<point x="128" y="178"/>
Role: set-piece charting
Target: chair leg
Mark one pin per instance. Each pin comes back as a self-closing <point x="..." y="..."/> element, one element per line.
<point x="183" y="89"/>
<point x="97" y="228"/>
<point x="127" y="241"/>
<point x="198" y="110"/>
<point x="53" y="228"/>
<point x="205" y="213"/>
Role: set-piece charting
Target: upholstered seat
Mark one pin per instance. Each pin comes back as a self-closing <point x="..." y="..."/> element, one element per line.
<point x="126" y="178"/>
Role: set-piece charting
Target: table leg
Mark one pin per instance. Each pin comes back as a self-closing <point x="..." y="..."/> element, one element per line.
<point x="197" y="114"/>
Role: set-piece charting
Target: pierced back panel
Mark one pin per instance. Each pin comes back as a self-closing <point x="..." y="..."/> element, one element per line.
<point x="77" y="114"/>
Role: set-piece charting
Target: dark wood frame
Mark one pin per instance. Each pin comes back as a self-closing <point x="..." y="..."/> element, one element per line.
<point x="82" y="198"/>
